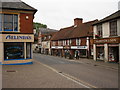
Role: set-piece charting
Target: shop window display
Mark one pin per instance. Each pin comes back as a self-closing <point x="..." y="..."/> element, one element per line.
<point x="83" y="52"/>
<point x="13" y="51"/>
<point x="100" y="53"/>
<point x="113" y="54"/>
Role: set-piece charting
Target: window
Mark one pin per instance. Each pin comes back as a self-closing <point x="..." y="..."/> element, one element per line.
<point x="28" y="50"/>
<point x="78" y="41"/>
<point x="13" y="51"/>
<point x="9" y="22"/>
<point x="68" y="42"/>
<point x="113" y="28"/>
<point x="99" y="30"/>
<point x="0" y="22"/>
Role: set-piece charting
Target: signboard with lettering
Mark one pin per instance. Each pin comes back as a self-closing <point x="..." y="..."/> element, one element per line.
<point x="57" y="47"/>
<point x="78" y="47"/>
<point x="107" y="40"/>
<point x="17" y="38"/>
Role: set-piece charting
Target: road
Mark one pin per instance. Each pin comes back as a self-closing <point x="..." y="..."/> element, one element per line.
<point x="86" y="74"/>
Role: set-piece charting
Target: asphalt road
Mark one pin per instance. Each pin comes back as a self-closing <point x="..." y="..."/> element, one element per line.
<point x="87" y="74"/>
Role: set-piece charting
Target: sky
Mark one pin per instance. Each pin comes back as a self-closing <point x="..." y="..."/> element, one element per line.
<point x="57" y="14"/>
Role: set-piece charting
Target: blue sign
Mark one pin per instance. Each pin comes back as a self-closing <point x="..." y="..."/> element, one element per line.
<point x="18" y="37"/>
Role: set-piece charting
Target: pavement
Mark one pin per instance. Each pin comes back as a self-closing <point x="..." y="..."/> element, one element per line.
<point x="35" y="76"/>
<point x="110" y="65"/>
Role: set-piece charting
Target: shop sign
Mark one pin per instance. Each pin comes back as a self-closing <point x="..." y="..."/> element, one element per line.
<point x="57" y="47"/>
<point x="17" y="38"/>
<point x="107" y="40"/>
<point x="66" y="47"/>
<point x="78" y="47"/>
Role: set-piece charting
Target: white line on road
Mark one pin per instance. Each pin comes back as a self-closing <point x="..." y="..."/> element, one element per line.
<point x="78" y="81"/>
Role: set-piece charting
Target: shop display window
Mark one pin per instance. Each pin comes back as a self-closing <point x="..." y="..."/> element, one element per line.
<point x="100" y="53"/>
<point x="113" y="54"/>
<point x="28" y="50"/>
<point x="83" y="52"/>
<point x="13" y="51"/>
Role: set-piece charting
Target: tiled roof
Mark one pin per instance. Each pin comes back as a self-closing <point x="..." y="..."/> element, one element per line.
<point x="47" y="30"/>
<point x="82" y="30"/>
<point x="110" y="17"/>
<point x="15" y="4"/>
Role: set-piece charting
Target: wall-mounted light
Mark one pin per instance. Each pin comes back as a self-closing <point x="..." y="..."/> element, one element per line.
<point x="27" y="17"/>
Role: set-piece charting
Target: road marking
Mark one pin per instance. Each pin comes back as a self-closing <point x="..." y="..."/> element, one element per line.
<point x="72" y="78"/>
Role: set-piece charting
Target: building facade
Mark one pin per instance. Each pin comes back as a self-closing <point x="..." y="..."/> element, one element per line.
<point x="44" y="40"/>
<point x="107" y="38"/>
<point x="16" y="33"/>
<point x="75" y="39"/>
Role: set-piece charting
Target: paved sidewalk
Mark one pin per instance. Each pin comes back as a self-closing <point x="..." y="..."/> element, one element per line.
<point x="99" y="63"/>
<point x="34" y="76"/>
<point x="111" y="65"/>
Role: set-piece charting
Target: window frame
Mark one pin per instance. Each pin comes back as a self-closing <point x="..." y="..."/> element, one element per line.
<point x="100" y="30"/>
<point x="111" y="28"/>
<point x="13" y="22"/>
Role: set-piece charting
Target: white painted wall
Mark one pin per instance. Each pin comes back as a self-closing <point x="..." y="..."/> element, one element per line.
<point x="94" y="52"/>
<point x="94" y="31"/>
<point x="118" y="25"/>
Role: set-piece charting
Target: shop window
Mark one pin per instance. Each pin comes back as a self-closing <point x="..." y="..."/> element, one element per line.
<point x="13" y="51"/>
<point x="113" y="28"/>
<point x="100" y="53"/>
<point x="113" y="54"/>
<point x="9" y="22"/>
<point x="28" y="50"/>
<point x="83" y="52"/>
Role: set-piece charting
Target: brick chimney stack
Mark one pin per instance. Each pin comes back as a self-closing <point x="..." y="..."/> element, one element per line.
<point x="78" y="21"/>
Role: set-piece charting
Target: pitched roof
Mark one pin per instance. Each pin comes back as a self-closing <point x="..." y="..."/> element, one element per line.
<point x="82" y="30"/>
<point x="110" y="17"/>
<point x="47" y="30"/>
<point x="15" y="5"/>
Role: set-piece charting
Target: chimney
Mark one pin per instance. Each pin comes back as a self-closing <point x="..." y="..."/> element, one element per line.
<point x="78" y="21"/>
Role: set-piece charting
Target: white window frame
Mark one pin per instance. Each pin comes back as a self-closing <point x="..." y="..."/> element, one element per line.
<point x="13" y="22"/>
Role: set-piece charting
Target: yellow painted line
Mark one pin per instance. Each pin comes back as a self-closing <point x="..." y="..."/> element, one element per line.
<point x="72" y="78"/>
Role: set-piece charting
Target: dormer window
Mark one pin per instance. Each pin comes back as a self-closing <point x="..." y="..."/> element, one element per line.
<point x="9" y="22"/>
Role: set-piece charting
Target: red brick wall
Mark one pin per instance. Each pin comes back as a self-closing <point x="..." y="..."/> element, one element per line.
<point x="83" y="41"/>
<point x="26" y="25"/>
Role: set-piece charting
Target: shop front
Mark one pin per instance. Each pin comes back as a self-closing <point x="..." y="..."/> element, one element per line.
<point x="16" y="49"/>
<point x="107" y="49"/>
<point x="82" y="50"/>
<point x="57" y="50"/>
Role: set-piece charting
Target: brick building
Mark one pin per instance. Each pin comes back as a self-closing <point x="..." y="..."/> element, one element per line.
<point x="44" y="40"/>
<point x="78" y="37"/>
<point x="107" y="38"/>
<point x="16" y="32"/>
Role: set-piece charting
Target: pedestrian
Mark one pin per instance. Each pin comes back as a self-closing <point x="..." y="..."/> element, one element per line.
<point x="77" y="54"/>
